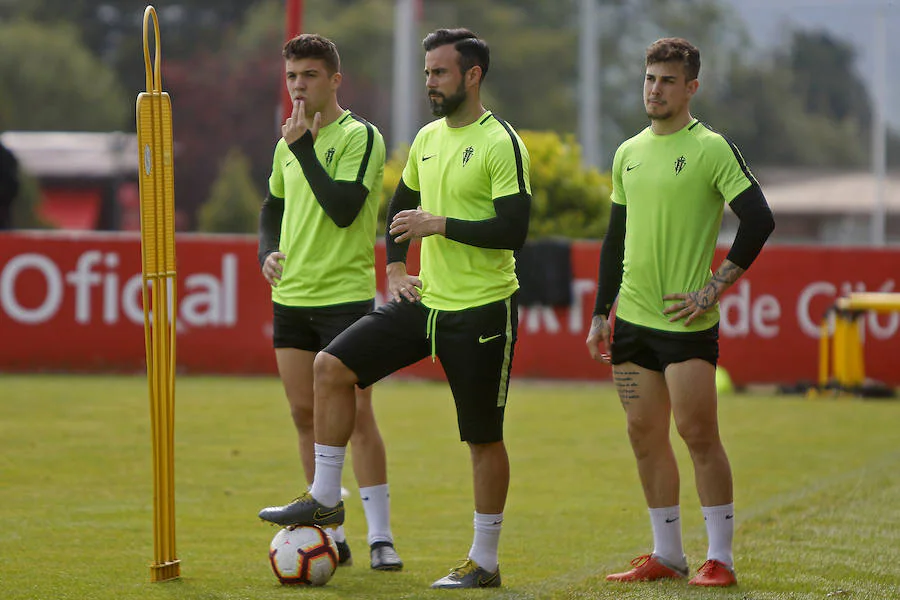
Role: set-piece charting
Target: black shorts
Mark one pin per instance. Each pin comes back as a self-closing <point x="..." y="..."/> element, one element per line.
<point x="655" y="349"/>
<point x="312" y="329"/>
<point x="475" y="347"/>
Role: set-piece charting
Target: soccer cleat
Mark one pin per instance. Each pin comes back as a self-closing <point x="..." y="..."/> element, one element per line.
<point x="304" y="510"/>
<point x="385" y="557"/>
<point x="650" y="568"/>
<point x="345" y="559"/>
<point x="468" y="574"/>
<point x="714" y="573"/>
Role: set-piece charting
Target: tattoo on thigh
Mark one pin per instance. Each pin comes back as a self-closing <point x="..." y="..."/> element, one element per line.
<point x="626" y="386"/>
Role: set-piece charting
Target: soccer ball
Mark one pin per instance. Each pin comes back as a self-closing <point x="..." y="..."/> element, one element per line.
<point x="303" y="555"/>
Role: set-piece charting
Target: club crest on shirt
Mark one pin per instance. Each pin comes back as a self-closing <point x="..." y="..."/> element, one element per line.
<point x="467" y="154"/>
<point x="679" y="164"/>
<point x="329" y="156"/>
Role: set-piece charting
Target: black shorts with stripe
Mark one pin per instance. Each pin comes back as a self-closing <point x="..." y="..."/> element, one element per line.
<point x="655" y="349"/>
<point x="475" y="347"/>
<point x="313" y="328"/>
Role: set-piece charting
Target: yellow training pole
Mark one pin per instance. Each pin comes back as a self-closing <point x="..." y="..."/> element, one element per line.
<point x="854" y="304"/>
<point x="839" y="350"/>
<point x="823" y="360"/>
<point x="855" y="364"/>
<point x="157" y="188"/>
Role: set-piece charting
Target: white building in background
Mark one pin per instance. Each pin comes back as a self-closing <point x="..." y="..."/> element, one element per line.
<point x="824" y="206"/>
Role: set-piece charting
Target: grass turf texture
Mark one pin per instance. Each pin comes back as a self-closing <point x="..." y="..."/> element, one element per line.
<point x="817" y="484"/>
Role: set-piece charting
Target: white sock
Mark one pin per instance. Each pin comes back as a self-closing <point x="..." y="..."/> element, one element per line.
<point x="666" y="523"/>
<point x="338" y="534"/>
<point x="326" y="486"/>
<point x="720" y="530"/>
<point x="486" y="541"/>
<point x="376" y="501"/>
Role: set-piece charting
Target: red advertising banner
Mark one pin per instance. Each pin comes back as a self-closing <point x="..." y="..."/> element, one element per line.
<point x="72" y="302"/>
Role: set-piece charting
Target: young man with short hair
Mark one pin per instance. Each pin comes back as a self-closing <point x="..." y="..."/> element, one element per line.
<point x="316" y="250"/>
<point x="670" y="184"/>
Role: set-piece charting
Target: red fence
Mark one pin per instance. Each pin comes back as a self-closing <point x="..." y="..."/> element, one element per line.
<point x="73" y="302"/>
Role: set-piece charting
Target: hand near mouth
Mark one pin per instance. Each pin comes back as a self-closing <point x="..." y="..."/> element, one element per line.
<point x="295" y="126"/>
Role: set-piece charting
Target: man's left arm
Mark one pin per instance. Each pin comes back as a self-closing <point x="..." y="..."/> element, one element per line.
<point x="341" y="200"/>
<point x="508" y="168"/>
<point x="755" y="225"/>
<point x="506" y="231"/>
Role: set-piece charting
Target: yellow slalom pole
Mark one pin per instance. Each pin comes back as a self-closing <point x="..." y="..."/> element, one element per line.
<point x="157" y="191"/>
<point x="856" y="364"/>
<point x="824" y="356"/>
<point x="839" y="350"/>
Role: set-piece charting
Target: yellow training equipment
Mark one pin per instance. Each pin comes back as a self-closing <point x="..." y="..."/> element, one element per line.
<point x="157" y="185"/>
<point x="845" y="355"/>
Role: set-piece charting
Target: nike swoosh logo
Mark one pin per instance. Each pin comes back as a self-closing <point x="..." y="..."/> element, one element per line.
<point x="729" y="517"/>
<point x="630" y="167"/>
<point x="363" y="498"/>
<point x="482" y="339"/>
<point x="424" y="158"/>
<point x="324" y="515"/>
<point x="671" y="520"/>
<point x="487" y="580"/>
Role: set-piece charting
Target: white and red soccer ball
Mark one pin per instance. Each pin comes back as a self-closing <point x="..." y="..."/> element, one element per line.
<point x="303" y="555"/>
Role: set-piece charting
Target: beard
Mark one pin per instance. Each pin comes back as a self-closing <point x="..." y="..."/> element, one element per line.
<point x="442" y="106"/>
<point x="658" y="112"/>
<point x="658" y="116"/>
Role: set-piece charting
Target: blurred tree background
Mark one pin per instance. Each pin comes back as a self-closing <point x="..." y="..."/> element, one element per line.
<point x="78" y="65"/>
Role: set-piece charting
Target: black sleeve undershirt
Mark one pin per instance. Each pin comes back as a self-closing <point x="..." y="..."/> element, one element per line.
<point x="404" y="198"/>
<point x="506" y="231"/>
<point x="341" y="200"/>
<point x="756" y="224"/>
<point x="270" y="216"/>
<point x="612" y="255"/>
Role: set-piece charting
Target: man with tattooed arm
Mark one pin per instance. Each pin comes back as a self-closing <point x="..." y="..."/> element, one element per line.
<point x="670" y="184"/>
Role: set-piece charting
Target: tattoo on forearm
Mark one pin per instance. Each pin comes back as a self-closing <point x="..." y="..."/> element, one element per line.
<point x="722" y="279"/>
<point x="727" y="273"/>
<point x="626" y="386"/>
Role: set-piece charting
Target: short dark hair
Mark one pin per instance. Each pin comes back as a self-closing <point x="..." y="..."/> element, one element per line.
<point x="675" y="50"/>
<point x="313" y="45"/>
<point x="472" y="49"/>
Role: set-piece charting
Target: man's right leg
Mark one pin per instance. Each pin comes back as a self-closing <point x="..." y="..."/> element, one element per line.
<point x="645" y="398"/>
<point x="296" y="370"/>
<point x="335" y="416"/>
<point x="376" y="345"/>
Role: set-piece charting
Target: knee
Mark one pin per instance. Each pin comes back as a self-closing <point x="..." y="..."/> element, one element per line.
<point x="699" y="436"/>
<point x="329" y="370"/>
<point x="646" y="435"/>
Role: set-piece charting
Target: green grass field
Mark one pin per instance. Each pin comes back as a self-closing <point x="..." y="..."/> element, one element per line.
<point x="817" y="488"/>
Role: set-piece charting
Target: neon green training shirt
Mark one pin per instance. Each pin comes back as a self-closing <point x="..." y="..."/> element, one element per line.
<point x="324" y="263"/>
<point x="459" y="171"/>
<point x="675" y="188"/>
